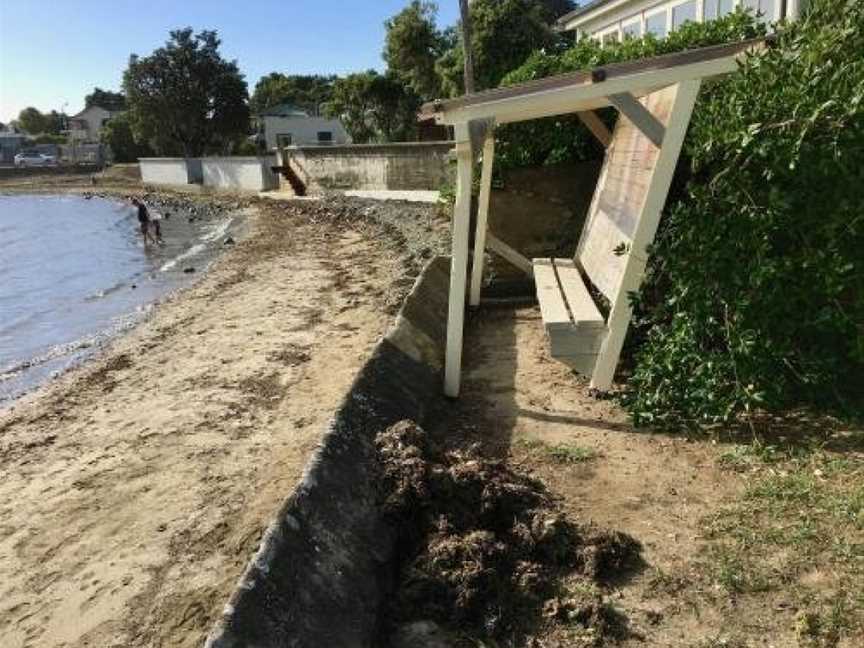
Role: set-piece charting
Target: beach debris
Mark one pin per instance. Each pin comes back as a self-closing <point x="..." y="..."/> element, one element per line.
<point x="189" y="270"/>
<point x="228" y="241"/>
<point x="486" y="550"/>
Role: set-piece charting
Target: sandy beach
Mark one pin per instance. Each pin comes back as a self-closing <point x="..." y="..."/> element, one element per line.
<point x="135" y="488"/>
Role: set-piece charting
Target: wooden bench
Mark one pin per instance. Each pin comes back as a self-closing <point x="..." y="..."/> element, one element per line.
<point x="655" y="99"/>
<point x="611" y="254"/>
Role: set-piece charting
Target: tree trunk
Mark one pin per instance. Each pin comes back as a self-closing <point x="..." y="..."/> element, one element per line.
<point x="467" y="51"/>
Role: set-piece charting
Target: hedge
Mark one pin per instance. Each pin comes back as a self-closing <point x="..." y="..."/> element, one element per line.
<point x="754" y="297"/>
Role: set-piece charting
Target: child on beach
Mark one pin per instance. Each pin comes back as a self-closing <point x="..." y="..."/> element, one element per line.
<point x="148" y="223"/>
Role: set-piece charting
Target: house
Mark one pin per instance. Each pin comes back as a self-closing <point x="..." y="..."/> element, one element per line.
<point x="288" y="125"/>
<point x="10" y="144"/>
<point x="86" y="126"/>
<point x="614" y="20"/>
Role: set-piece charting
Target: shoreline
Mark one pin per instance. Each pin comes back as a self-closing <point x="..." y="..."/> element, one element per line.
<point x="99" y="341"/>
<point x="137" y="485"/>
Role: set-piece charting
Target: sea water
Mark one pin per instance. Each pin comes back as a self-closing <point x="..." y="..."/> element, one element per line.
<point x="75" y="271"/>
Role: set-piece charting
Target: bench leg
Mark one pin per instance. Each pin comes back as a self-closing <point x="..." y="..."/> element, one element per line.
<point x="459" y="261"/>
<point x="482" y="217"/>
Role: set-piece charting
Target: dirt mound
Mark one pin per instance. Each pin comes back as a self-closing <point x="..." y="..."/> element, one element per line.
<point x="484" y="550"/>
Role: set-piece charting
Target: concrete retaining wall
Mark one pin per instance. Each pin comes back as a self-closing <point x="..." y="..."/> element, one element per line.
<point x="239" y="173"/>
<point x="171" y="171"/>
<point x="326" y="562"/>
<point x="398" y="166"/>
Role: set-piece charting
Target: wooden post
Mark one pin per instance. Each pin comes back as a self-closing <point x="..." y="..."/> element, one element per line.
<point x="619" y="317"/>
<point x="459" y="260"/>
<point x="482" y="216"/>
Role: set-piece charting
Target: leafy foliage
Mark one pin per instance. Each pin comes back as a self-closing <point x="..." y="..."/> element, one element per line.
<point x="754" y="297"/>
<point x="504" y="34"/>
<point x="374" y="107"/>
<point x="117" y="134"/>
<point x="185" y="98"/>
<point x="106" y="99"/>
<point x="412" y="45"/>
<point x="308" y="92"/>
<point x="34" y="122"/>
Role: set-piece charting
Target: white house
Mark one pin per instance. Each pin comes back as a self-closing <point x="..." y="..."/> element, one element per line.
<point x="287" y="125"/>
<point x="87" y="125"/>
<point x="615" y="20"/>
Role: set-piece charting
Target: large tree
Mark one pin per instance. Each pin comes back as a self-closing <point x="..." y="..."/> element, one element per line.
<point x="308" y="91"/>
<point x="503" y="34"/>
<point x="375" y="107"/>
<point x="34" y="122"/>
<point x="106" y="99"/>
<point x="185" y="98"/>
<point x="412" y="45"/>
<point x="118" y="135"/>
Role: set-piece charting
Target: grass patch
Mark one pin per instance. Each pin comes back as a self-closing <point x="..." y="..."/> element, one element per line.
<point x="801" y="513"/>
<point x="562" y="453"/>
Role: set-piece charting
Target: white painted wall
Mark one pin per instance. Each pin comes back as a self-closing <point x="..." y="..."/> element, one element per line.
<point x="303" y="130"/>
<point x="239" y="173"/>
<point x="170" y="171"/>
<point x="613" y="18"/>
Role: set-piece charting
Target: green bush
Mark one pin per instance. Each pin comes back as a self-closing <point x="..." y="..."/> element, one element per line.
<point x="754" y="299"/>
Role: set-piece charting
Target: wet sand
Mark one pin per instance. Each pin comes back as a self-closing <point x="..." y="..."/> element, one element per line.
<point x="135" y="488"/>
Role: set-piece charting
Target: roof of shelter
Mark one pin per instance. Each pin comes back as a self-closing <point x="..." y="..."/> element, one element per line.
<point x="588" y="89"/>
<point x="578" y="11"/>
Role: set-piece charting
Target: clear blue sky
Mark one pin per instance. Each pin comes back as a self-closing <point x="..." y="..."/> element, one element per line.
<point x="53" y="53"/>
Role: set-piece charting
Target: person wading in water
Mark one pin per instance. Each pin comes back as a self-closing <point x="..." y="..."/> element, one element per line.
<point x="150" y="228"/>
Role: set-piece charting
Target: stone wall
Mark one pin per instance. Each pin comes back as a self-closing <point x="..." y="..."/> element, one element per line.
<point x="397" y="166"/>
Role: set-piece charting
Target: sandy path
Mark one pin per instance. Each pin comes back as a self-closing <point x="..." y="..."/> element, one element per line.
<point x="133" y="491"/>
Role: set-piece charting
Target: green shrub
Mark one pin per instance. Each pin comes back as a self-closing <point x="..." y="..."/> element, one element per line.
<point x="754" y="297"/>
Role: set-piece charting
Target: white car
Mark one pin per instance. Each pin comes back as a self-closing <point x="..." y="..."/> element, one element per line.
<point x="34" y="159"/>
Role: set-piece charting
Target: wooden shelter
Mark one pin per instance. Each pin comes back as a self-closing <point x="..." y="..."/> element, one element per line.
<point x="655" y="98"/>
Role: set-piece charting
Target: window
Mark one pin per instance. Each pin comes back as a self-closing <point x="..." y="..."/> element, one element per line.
<point x="325" y="137"/>
<point x="656" y="24"/>
<point x="610" y="37"/>
<point x="284" y="139"/>
<point x="765" y="9"/>
<point x="718" y="8"/>
<point x="632" y="30"/>
<point x="726" y="6"/>
<point x="683" y="13"/>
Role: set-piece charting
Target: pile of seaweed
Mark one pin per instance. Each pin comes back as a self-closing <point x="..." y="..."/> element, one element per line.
<point x="484" y="552"/>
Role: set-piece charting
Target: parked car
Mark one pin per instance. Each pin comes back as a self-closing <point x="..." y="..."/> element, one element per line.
<point x="34" y="159"/>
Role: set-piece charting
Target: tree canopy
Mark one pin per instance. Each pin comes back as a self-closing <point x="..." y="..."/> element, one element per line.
<point x="34" y="122"/>
<point x="307" y="91"/>
<point x="106" y="99"/>
<point x="374" y="107"/>
<point x="412" y="45"/>
<point x="185" y="98"/>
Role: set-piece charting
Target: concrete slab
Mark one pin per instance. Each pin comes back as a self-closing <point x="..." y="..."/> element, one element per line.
<point x="410" y="196"/>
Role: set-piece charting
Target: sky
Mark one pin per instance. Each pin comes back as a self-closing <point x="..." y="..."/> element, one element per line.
<point x="53" y="53"/>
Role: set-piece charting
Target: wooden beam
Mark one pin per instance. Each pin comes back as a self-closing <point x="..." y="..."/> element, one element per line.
<point x="505" y="251"/>
<point x="482" y="217"/>
<point x="459" y="261"/>
<point x="661" y="180"/>
<point x="596" y="126"/>
<point x="641" y="117"/>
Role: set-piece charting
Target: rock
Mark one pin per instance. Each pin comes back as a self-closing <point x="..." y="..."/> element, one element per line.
<point x="189" y="270"/>
<point x="228" y="241"/>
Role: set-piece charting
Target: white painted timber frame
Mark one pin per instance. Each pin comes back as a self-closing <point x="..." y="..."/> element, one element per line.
<point x="628" y="87"/>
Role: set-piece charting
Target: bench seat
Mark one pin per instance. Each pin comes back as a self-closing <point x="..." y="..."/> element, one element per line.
<point x="575" y="326"/>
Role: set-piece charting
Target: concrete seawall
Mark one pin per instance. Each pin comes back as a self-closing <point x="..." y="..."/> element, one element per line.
<point x="326" y="561"/>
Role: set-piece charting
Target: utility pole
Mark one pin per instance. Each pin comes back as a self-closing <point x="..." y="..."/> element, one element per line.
<point x="467" y="51"/>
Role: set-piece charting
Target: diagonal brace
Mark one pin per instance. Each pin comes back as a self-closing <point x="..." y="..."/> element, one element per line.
<point x="641" y="117"/>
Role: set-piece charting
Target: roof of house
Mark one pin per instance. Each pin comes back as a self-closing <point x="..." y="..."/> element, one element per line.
<point x="89" y="108"/>
<point x="578" y="11"/>
<point x="283" y="110"/>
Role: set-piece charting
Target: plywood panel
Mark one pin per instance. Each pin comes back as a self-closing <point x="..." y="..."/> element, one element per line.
<point x="619" y="200"/>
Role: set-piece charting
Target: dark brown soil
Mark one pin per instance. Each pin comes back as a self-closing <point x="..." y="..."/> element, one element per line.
<point x="486" y="552"/>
